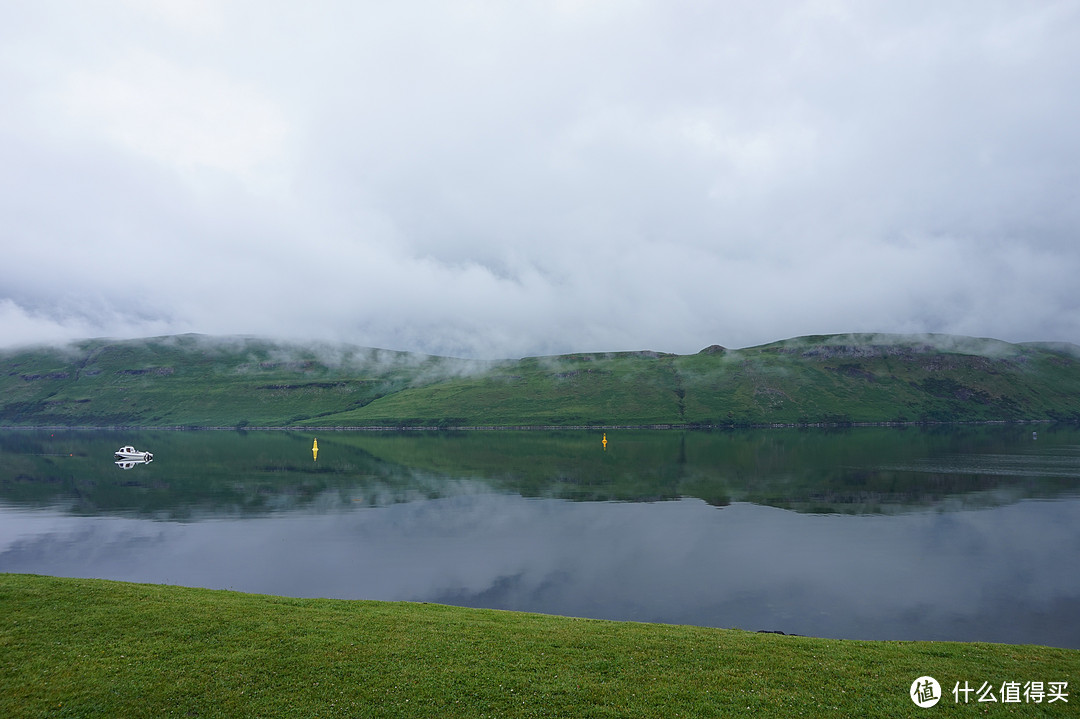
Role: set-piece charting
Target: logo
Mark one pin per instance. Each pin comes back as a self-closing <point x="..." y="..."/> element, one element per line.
<point x="925" y="692"/>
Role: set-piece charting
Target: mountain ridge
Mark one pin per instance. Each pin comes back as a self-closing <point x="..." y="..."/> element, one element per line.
<point x="237" y="381"/>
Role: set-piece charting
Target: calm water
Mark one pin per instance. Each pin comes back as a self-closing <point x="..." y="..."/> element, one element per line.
<point x="869" y="533"/>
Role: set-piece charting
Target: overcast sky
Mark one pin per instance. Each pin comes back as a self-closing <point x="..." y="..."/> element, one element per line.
<point x="497" y="179"/>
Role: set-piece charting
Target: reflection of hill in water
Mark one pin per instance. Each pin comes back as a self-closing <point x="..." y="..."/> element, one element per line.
<point x="197" y="474"/>
<point x="201" y="474"/>
<point x="851" y="471"/>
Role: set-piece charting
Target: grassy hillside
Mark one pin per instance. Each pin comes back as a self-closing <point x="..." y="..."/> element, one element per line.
<point x="195" y="380"/>
<point x="78" y="647"/>
<point x="191" y="380"/>
<point x="806" y="380"/>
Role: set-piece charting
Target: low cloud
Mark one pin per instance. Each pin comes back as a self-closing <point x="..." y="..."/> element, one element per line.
<point x="490" y="181"/>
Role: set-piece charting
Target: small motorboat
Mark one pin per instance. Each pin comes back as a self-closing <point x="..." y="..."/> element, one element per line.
<point x="130" y="453"/>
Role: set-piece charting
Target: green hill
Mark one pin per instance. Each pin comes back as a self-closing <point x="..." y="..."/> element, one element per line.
<point x="193" y="380"/>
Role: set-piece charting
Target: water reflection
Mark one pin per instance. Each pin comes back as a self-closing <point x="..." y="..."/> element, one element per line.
<point x="131" y="463"/>
<point x="869" y="470"/>
<point x="976" y="539"/>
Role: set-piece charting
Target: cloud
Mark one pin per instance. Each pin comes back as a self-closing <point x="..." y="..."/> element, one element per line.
<point x="491" y="180"/>
<point x="24" y="326"/>
<point x="186" y="119"/>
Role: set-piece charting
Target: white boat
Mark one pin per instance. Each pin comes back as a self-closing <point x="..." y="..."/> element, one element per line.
<point x="130" y="453"/>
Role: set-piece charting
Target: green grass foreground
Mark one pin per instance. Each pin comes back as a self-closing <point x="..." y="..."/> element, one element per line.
<point x="77" y="647"/>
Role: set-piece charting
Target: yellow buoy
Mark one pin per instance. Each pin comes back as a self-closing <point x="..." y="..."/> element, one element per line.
<point x="315" y="450"/>
<point x="605" y="441"/>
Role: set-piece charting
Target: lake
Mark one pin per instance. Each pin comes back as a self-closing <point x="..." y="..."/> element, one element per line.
<point x="967" y="533"/>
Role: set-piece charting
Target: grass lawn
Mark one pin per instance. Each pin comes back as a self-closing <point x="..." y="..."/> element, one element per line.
<point x="77" y="647"/>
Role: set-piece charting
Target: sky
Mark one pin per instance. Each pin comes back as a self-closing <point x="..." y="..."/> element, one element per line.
<point x="492" y="179"/>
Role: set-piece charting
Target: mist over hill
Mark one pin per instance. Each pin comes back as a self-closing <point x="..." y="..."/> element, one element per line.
<point x="194" y="380"/>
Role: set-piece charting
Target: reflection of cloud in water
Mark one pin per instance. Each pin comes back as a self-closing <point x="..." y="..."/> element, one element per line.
<point x="1002" y="574"/>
